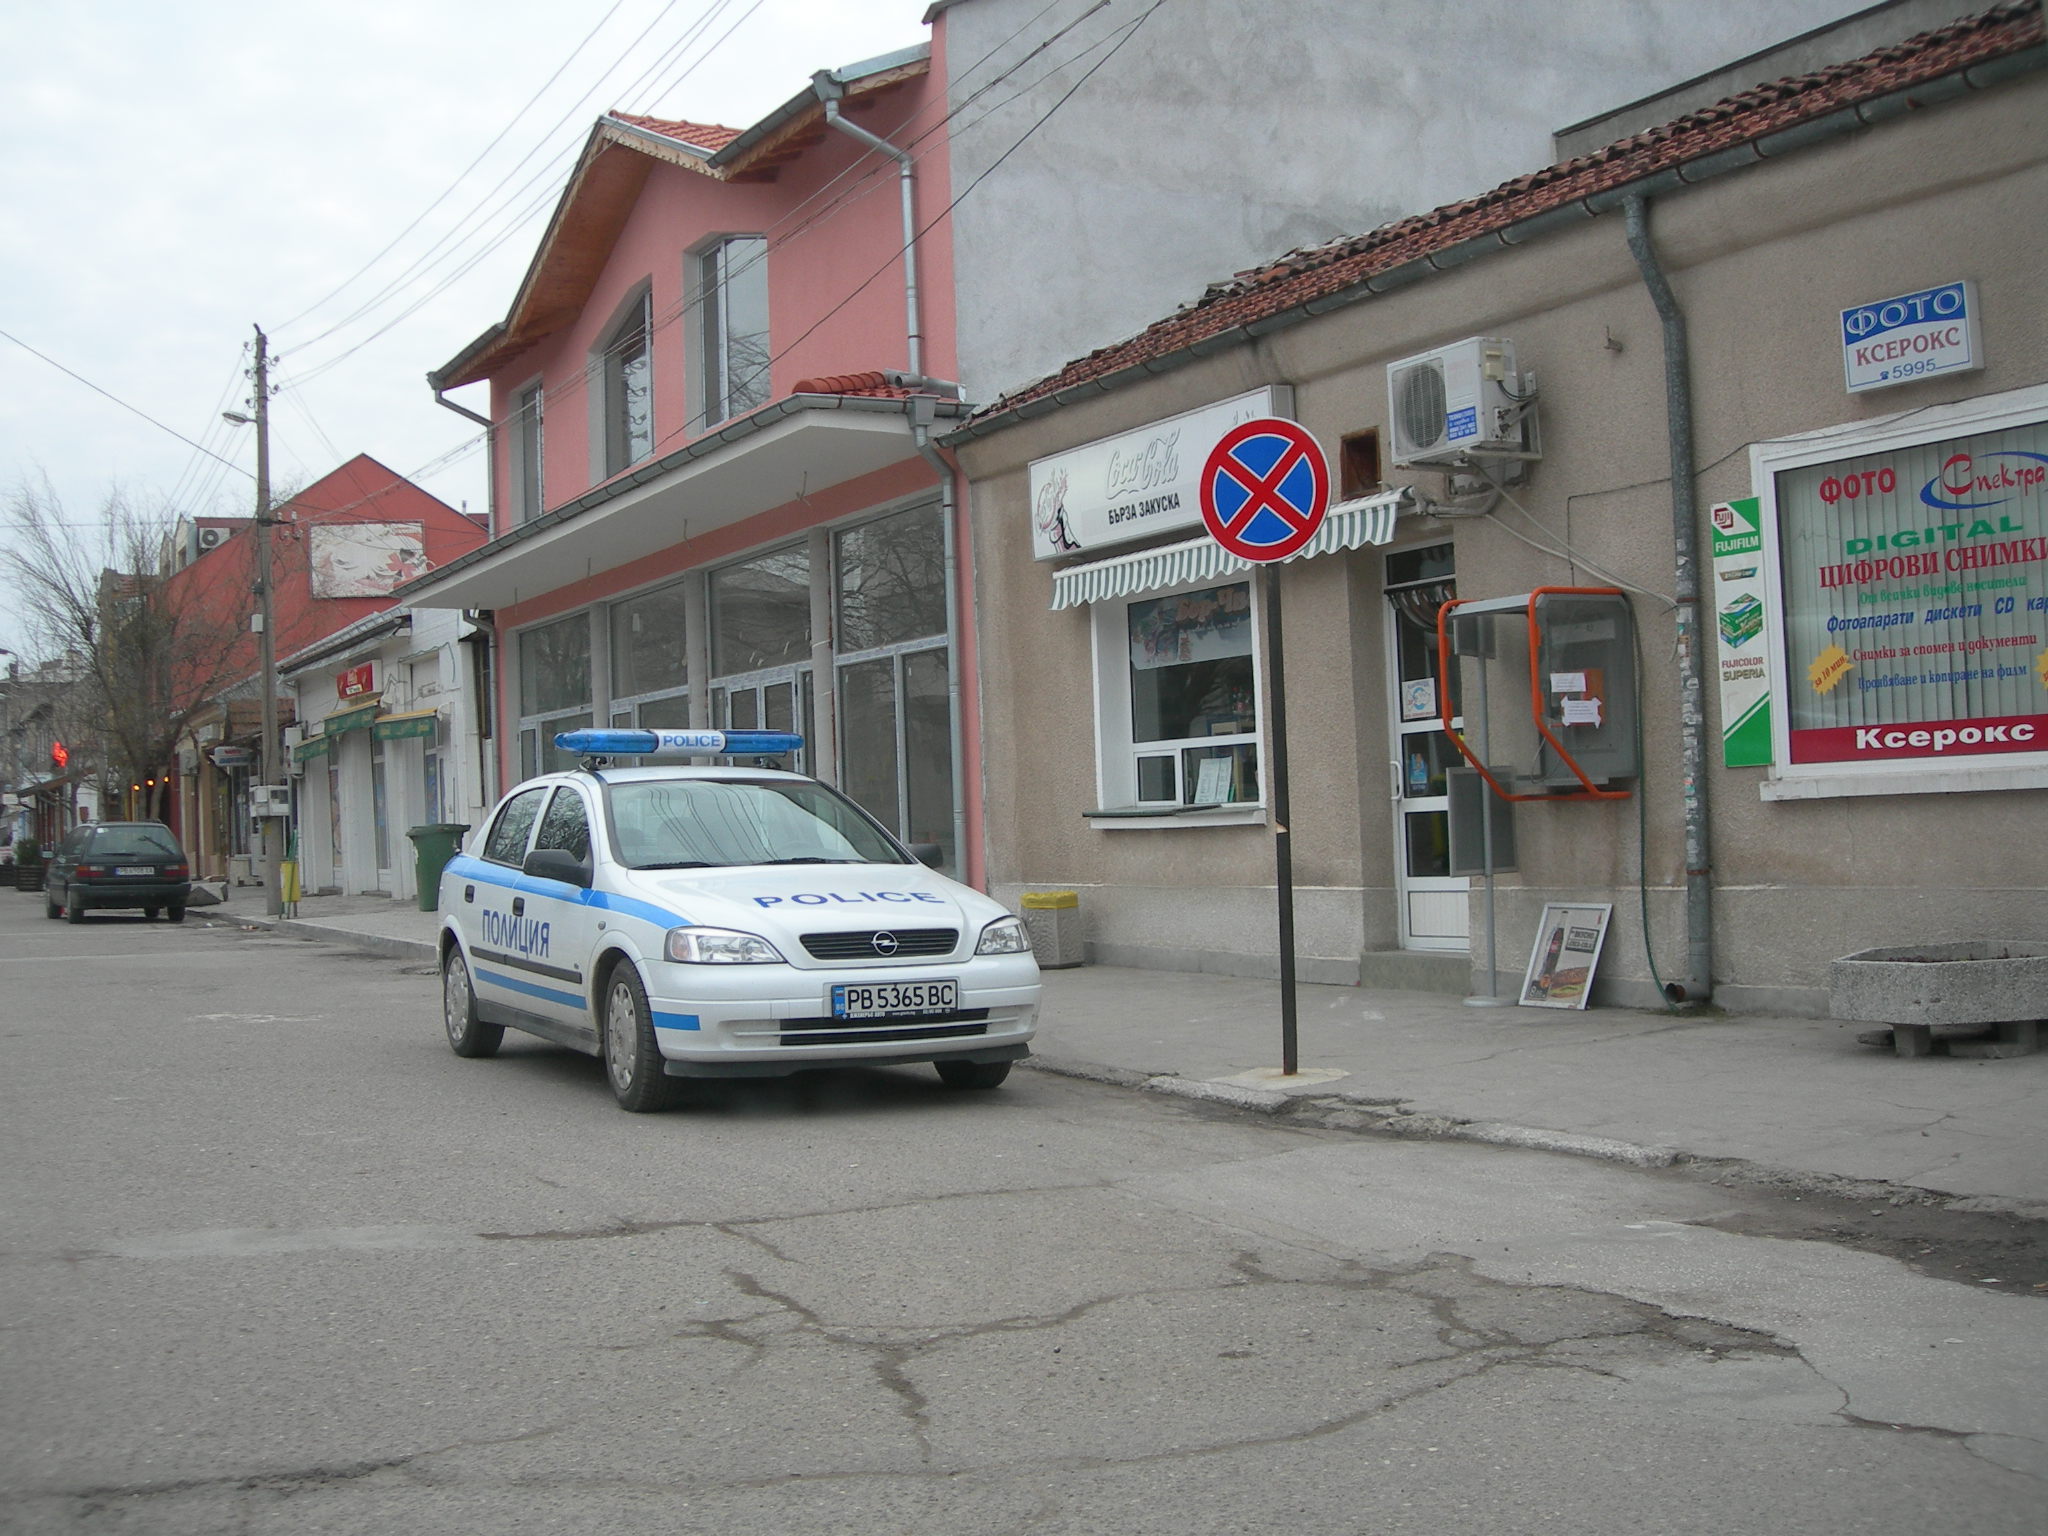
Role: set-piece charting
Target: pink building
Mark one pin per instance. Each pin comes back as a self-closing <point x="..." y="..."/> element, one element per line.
<point x="715" y="499"/>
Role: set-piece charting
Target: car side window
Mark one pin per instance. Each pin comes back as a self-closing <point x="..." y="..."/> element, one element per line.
<point x="74" y="843"/>
<point x="566" y="825"/>
<point x="507" y="842"/>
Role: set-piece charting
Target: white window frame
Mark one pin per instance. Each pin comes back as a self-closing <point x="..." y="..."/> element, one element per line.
<point x="710" y="347"/>
<point x="528" y="453"/>
<point x="1787" y="780"/>
<point x="1116" y="754"/>
<point x="609" y="448"/>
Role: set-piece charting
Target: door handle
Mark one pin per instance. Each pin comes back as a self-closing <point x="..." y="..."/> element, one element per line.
<point x="1394" y="781"/>
<point x="518" y="906"/>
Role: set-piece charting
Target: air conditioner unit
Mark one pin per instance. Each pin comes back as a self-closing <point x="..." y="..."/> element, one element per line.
<point x="212" y="538"/>
<point x="1457" y="405"/>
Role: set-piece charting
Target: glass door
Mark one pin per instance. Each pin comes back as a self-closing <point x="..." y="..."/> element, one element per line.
<point x="1430" y="900"/>
<point x="779" y="700"/>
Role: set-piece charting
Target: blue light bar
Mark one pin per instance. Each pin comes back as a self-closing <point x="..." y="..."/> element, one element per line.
<point x="684" y="743"/>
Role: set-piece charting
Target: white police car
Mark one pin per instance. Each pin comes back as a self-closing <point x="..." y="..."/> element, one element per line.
<point x="700" y="921"/>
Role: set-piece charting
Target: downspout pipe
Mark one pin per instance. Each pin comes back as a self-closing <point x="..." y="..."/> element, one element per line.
<point x="830" y="91"/>
<point x="1698" y="983"/>
<point x="923" y="412"/>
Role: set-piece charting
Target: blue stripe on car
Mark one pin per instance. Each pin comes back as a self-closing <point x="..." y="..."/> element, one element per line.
<point x="677" y="1021"/>
<point x="530" y="989"/>
<point x="466" y="868"/>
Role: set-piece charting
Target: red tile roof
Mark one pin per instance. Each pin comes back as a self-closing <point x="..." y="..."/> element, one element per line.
<point x="873" y="385"/>
<point x="1319" y="272"/>
<point x="709" y="136"/>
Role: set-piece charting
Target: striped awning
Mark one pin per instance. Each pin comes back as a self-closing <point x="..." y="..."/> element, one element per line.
<point x="1349" y="525"/>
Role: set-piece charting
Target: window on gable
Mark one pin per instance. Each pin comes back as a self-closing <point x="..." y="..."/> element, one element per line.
<point x="529" y="497"/>
<point x="732" y="279"/>
<point x="628" y="373"/>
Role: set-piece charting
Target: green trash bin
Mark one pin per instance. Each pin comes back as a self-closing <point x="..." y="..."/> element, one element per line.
<point x="434" y="845"/>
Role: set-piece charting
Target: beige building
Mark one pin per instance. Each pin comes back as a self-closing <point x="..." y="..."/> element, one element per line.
<point x="1827" y="528"/>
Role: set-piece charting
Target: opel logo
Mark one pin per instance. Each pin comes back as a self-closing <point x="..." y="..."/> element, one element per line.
<point x="885" y="943"/>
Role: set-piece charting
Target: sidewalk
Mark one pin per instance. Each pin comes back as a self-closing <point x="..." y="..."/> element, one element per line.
<point x="1786" y="1099"/>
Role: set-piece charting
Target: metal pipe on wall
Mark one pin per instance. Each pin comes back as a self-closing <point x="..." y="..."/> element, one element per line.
<point x="1698" y="984"/>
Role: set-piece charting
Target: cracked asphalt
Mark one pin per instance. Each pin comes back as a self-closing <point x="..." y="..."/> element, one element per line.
<point x="275" y="1260"/>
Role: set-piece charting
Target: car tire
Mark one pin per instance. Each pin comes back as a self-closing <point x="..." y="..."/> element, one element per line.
<point x="51" y="908"/>
<point x="175" y="912"/>
<point x="972" y="1074"/>
<point x="74" y="909"/>
<point x="149" y="914"/>
<point x="632" y="1059"/>
<point x="467" y="1034"/>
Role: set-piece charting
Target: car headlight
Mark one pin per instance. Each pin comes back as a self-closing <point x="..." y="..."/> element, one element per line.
<point x="720" y="946"/>
<point x="1004" y="936"/>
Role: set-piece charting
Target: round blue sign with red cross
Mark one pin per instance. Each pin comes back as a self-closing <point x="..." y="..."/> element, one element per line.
<point x="1265" y="489"/>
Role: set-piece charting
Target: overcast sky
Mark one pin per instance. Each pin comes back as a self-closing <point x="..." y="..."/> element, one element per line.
<point x="177" y="174"/>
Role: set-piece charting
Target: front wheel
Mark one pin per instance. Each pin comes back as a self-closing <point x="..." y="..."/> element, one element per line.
<point x="972" y="1074"/>
<point x="632" y="1060"/>
<point x="467" y="1034"/>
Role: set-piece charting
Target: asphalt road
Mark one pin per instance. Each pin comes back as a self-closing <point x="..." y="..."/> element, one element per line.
<point x="276" y="1261"/>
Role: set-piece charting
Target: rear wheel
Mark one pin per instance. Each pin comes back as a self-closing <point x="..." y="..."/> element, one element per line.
<point x="149" y="914"/>
<point x="467" y="1034"/>
<point x="50" y="907"/>
<point x="74" y="909"/>
<point x="632" y="1060"/>
<point x="972" y="1074"/>
<point x="175" y="912"/>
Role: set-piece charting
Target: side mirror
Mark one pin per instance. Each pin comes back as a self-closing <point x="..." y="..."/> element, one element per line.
<point x="931" y="855"/>
<point x="558" y="864"/>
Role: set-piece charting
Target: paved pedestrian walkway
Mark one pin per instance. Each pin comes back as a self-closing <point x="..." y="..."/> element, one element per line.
<point x="1788" y="1098"/>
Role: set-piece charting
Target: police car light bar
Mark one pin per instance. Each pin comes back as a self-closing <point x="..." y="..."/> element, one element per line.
<point x="686" y="743"/>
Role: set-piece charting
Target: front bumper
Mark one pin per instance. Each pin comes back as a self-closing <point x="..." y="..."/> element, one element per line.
<point x="718" y="1021"/>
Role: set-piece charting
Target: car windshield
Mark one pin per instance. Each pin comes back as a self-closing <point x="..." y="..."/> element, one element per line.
<point x="714" y="823"/>
<point x="135" y="843"/>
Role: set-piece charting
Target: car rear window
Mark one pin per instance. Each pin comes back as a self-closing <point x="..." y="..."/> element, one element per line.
<point x="136" y="843"/>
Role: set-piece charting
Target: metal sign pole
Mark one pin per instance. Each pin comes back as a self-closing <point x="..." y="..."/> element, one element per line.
<point x="1283" y="853"/>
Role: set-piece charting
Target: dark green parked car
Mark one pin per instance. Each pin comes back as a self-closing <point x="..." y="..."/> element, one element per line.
<point x="118" y="864"/>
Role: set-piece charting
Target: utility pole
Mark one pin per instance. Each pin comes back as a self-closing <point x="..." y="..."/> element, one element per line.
<point x="268" y="828"/>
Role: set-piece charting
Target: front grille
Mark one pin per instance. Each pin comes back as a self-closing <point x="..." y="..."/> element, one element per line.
<point x="908" y="943"/>
<point x="937" y="1026"/>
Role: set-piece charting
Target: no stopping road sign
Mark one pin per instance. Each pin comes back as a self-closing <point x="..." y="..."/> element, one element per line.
<point x="1265" y="489"/>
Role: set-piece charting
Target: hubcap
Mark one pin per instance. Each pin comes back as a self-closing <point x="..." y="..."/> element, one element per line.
<point x="455" y="997"/>
<point x="622" y="1036"/>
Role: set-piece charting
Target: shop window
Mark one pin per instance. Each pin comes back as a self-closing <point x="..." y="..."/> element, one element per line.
<point x="732" y="288"/>
<point x="761" y="612"/>
<point x="650" y="658"/>
<point x="1178" y="686"/>
<point x="554" y="690"/>
<point x="626" y="372"/>
<point x="891" y="580"/>
<point x="1905" y="612"/>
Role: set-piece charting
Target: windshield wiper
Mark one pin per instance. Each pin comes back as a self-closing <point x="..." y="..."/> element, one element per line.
<point x="812" y="859"/>
<point x="685" y="864"/>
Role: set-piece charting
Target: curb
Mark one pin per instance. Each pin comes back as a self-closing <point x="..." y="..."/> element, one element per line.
<point x="1369" y="1117"/>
